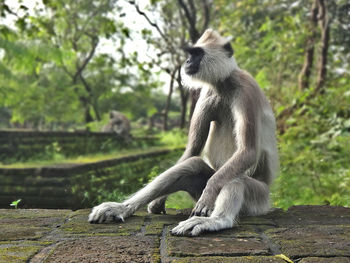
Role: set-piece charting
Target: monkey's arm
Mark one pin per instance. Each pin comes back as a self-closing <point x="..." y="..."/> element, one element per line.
<point x="199" y="130"/>
<point x="244" y="159"/>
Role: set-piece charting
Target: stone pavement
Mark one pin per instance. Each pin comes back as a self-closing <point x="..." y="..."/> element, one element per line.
<point x="301" y="234"/>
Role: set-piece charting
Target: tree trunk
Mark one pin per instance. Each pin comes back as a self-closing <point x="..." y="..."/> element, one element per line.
<point x="304" y="76"/>
<point x="90" y="97"/>
<point x="325" y="35"/>
<point x="87" y="115"/>
<point x="168" y="101"/>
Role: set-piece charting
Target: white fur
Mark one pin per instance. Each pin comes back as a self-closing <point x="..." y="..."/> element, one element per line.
<point x="109" y="211"/>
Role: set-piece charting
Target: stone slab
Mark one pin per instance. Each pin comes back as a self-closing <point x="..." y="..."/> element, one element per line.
<point x="304" y="234"/>
<point x="318" y="241"/>
<point x="106" y="249"/>
<point x="154" y="224"/>
<point x="31" y="224"/>
<point x="77" y="224"/>
<point x="220" y="246"/>
<point x="247" y="259"/>
<point x="310" y="215"/>
<point x="325" y="260"/>
<point x="20" y="251"/>
<point x="239" y="231"/>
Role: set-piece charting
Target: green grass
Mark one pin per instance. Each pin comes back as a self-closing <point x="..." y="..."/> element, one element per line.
<point x="180" y="200"/>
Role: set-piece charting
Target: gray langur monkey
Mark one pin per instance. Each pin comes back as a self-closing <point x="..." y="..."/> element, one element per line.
<point x="233" y="129"/>
<point x="119" y="124"/>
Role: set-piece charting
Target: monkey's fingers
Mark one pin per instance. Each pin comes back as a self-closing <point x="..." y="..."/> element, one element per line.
<point x="193" y="212"/>
<point x="205" y="212"/>
<point x="197" y="210"/>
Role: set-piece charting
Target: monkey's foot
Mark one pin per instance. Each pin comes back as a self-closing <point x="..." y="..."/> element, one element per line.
<point x="157" y="206"/>
<point x="196" y="225"/>
<point x="109" y="211"/>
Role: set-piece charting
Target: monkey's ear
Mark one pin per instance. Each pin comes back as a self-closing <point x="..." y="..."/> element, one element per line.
<point x="228" y="48"/>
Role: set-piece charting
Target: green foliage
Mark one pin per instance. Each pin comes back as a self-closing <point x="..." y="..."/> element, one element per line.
<point x="117" y="183"/>
<point x="175" y="137"/>
<point x="180" y="200"/>
<point x="52" y="75"/>
<point x="314" y="153"/>
<point x="53" y="152"/>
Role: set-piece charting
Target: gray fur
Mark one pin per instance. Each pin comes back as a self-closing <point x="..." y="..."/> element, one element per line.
<point x="231" y="155"/>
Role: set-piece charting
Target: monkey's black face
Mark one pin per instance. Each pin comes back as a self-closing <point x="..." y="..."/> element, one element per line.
<point x="195" y="57"/>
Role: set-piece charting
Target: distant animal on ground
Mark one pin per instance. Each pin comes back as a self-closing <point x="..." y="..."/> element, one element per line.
<point x="119" y="124"/>
<point x="231" y="156"/>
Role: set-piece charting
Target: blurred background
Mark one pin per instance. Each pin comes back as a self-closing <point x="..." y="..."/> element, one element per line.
<point x="66" y="65"/>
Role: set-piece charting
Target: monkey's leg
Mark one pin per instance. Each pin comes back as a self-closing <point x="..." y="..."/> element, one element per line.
<point x="247" y="194"/>
<point x="190" y="175"/>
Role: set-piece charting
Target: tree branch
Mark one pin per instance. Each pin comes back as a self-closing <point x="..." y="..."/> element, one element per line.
<point x="94" y="43"/>
<point x="153" y="24"/>
<point x="304" y="76"/>
<point x="322" y="62"/>
<point x="206" y="11"/>
<point x="194" y="34"/>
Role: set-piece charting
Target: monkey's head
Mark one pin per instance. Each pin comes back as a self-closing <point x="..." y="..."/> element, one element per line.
<point x="210" y="60"/>
<point x="116" y="120"/>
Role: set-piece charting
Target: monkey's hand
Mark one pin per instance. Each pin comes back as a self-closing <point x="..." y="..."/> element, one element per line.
<point x="109" y="211"/>
<point x="205" y="205"/>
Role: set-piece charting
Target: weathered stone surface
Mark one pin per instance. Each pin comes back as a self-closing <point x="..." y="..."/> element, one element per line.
<point x="19" y="251"/>
<point x="239" y="231"/>
<point x="107" y="249"/>
<point x="312" y="240"/>
<point x="200" y="246"/>
<point x="155" y="224"/>
<point x="325" y="260"/>
<point x="32" y="213"/>
<point x="246" y="259"/>
<point x="29" y="224"/>
<point x="77" y="224"/>
<point x="256" y="220"/>
<point x="310" y="215"/>
<point x="303" y="234"/>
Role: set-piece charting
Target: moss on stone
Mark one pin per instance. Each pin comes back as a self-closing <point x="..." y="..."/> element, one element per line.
<point x="246" y="259"/>
<point x="77" y="224"/>
<point x="17" y="232"/>
<point x="69" y="238"/>
<point x="325" y="260"/>
<point x="33" y="213"/>
<point x="19" y="251"/>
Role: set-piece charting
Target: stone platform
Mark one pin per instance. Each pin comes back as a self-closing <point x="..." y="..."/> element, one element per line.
<point x="301" y="234"/>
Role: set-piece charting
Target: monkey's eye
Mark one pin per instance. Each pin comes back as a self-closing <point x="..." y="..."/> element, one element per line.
<point x="228" y="48"/>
